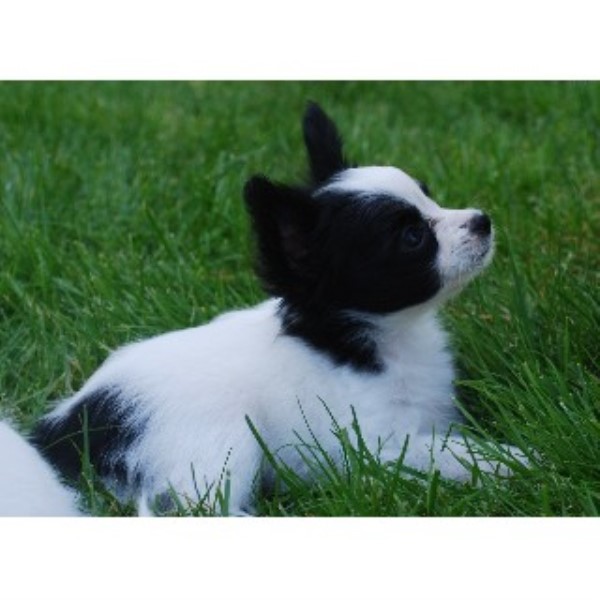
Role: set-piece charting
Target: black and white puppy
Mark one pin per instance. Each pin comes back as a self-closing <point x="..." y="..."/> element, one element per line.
<point x="358" y="262"/>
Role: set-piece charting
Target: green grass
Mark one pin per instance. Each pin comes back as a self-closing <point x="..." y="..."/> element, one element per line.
<point x="121" y="217"/>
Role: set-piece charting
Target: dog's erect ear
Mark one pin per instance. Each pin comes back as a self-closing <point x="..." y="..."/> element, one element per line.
<point x="323" y="143"/>
<point x="283" y="218"/>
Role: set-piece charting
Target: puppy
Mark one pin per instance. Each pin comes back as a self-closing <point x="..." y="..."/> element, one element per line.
<point x="357" y="263"/>
<point x="28" y="486"/>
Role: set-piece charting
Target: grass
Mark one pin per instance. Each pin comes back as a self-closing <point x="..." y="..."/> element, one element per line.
<point x="121" y="217"/>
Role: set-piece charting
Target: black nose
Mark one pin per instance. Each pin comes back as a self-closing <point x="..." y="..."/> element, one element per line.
<point x="480" y="224"/>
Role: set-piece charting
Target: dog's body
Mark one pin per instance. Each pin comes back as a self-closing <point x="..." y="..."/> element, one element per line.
<point x="29" y="487"/>
<point x="185" y="405"/>
<point x="358" y="263"/>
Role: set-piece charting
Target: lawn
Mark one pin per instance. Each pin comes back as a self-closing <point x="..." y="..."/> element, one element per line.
<point x="121" y="217"/>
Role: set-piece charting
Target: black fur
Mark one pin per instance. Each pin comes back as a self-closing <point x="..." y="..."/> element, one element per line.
<point x="323" y="143"/>
<point x="330" y="254"/>
<point x="283" y="218"/>
<point x="344" y="338"/>
<point x="110" y="433"/>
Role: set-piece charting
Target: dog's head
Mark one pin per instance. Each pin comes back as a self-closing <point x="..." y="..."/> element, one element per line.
<point x="360" y="238"/>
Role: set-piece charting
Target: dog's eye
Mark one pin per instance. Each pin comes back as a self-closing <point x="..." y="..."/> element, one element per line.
<point x="424" y="188"/>
<point x="412" y="235"/>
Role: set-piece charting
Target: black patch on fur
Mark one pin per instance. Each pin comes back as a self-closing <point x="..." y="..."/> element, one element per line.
<point x="335" y="257"/>
<point x="323" y="144"/>
<point x="110" y="433"/>
<point x="346" y="339"/>
<point x="283" y="218"/>
<point x="360" y="257"/>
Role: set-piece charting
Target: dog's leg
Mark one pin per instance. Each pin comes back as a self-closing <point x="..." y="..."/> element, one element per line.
<point x="456" y="457"/>
<point x="143" y="507"/>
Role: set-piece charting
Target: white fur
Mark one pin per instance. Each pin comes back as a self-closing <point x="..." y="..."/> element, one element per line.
<point x="370" y="181"/>
<point x="197" y="386"/>
<point x="29" y="486"/>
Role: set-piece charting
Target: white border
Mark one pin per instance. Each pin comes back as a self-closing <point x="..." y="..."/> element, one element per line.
<point x="311" y="39"/>
<point x="278" y="559"/>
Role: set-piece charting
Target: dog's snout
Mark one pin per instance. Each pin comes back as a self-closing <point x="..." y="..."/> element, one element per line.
<point x="480" y="224"/>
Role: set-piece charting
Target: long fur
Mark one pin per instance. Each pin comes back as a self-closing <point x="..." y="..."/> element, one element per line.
<point x="357" y="262"/>
<point x="28" y="486"/>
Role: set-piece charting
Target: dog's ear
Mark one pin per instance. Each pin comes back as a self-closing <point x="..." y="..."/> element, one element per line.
<point x="283" y="218"/>
<point x="323" y="144"/>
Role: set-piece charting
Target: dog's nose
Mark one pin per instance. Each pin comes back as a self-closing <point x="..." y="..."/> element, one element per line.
<point x="480" y="224"/>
